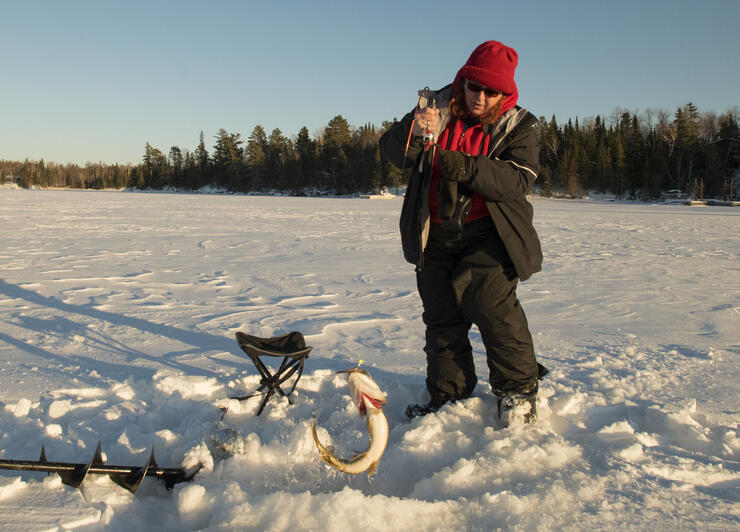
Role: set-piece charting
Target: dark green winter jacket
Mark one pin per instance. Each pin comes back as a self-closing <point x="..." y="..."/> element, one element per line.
<point x="503" y="177"/>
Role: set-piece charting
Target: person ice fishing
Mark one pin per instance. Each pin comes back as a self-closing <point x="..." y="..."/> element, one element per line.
<point x="467" y="226"/>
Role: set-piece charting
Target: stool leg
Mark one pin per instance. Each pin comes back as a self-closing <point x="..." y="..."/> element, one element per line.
<point x="288" y="367"/>
<point x="264" y="401"/>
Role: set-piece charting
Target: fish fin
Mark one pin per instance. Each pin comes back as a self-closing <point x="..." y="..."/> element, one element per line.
<point x="371" y="469"/>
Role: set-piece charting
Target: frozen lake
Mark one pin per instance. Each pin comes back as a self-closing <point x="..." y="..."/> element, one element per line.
<point x="117" y="316"/>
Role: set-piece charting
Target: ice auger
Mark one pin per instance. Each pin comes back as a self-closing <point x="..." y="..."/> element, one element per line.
<point x="128" y="477"/>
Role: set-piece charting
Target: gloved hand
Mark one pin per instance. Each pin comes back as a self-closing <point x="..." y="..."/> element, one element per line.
<point x="455" y="166"/>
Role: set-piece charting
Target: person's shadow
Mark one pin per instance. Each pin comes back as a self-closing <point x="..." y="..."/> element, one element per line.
<point x="198" y="342"/>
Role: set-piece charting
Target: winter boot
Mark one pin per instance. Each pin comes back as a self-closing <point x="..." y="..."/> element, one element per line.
<point x="517" y="409"/>
<point x="413" y="411"/>
<point x="432" y="406"/>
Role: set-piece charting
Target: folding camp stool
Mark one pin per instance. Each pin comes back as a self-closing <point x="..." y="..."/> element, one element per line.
<point x="292" y="347"/>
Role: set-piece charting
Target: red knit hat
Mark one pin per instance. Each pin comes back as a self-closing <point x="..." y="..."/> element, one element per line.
<point x="492" y="64"/>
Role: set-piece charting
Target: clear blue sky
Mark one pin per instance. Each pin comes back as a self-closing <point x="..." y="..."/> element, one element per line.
<point x="95" y="80"/>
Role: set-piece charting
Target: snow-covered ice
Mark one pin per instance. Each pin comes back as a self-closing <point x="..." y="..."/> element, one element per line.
<point x="117" y="321"/>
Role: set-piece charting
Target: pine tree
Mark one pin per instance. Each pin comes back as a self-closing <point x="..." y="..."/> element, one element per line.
<point x="337" y="134"/>
<point x="577" y="167"/>
<point x="307" y="152"/>
<point x="687" y="136"/>
<point x="190" y="171"/>
<point x="635" y="155"/>
<point x="278" y="154"/>
<point x="620" y="167"/>
<point x="256" y="157"/>
<point x="177" y="162"/>
<point x="602" y="167"/>
<point x="203" y="164"/>
<point x="227" y="160"/>
<point x="563" y="165"/>
<point x="377" y="182"/>
<point x="155" y="169"/>
<point x="337" y="138"/>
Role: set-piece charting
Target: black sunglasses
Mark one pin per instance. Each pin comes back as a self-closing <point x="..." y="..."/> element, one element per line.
<point x="476" y="88"/>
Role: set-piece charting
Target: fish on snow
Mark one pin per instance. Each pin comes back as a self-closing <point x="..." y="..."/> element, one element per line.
<point x="369" y="399"/>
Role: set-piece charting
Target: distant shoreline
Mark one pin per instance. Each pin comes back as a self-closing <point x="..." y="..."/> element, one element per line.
<point x="593" y="197"/>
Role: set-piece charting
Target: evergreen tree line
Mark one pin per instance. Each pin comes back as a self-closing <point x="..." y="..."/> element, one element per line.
<point x="341" y="159"/>
<point x="628" y="155"/>
<point x="635" y="156"/>
<point x="52" y="175"/>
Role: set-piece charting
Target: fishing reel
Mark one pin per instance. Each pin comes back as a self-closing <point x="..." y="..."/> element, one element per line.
<point x="426" y="100"/>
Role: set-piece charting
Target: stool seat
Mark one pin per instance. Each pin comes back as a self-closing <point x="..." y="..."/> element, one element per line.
<point x="293" y="350"/>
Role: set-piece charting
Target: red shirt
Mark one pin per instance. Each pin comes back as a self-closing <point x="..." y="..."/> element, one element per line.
<point x="456" y="137"/>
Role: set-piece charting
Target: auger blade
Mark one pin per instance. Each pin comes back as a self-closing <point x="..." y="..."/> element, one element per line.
<point x="132" y="480"/>
<point x="76" y="476"/>
<point x="42" y="458"/>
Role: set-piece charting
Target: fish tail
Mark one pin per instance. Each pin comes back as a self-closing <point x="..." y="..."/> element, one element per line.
<point x="327" y="456"/>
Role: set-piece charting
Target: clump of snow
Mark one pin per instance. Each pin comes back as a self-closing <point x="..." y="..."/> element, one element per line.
<point x="22" y="408"/>
<point x="188" y="387"/>
<point x="194" y="506"/>
<point x="53" y="430"/>
<point x="11" y="487"/>
<point x="119" y="328"/>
